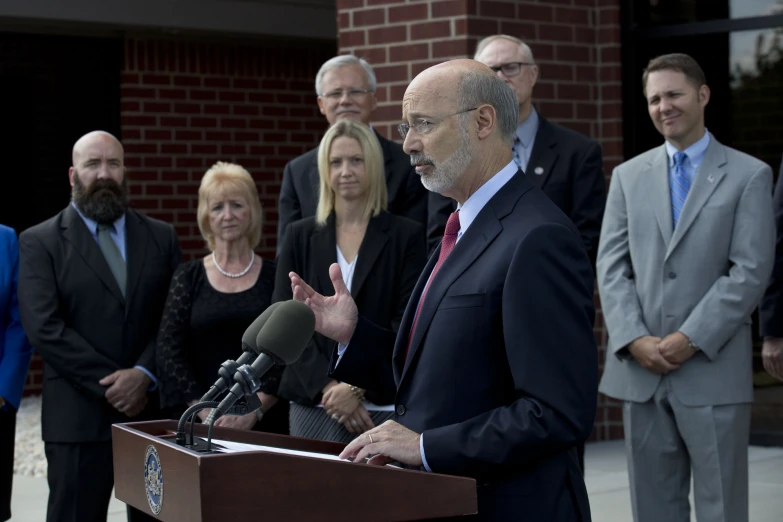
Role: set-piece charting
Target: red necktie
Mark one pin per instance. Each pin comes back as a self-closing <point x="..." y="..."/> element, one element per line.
<point x="446" y="246"/>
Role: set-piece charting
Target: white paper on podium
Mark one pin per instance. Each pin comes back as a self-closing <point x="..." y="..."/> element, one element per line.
<point x="239" y="447"/>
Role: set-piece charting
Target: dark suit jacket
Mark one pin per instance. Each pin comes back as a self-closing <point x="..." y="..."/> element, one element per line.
<point x="299" y="192"/>
<point x="501" y="376"/>
<point x="572" y="175"/>
<point x="391" y="258"/>
<point x="771" y="307"/>
<point x="76" y="317"/>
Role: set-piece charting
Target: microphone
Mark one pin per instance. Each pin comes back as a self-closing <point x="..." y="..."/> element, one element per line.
<point x="281" y="341"/>
<point x="250" y="351"/>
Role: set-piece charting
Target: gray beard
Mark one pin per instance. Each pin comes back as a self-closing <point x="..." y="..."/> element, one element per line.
<point x="104" y="200"/>
<point x="446" y="174"/>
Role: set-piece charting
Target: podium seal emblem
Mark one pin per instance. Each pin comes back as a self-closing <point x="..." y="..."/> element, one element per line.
<point x="153" y="479"/>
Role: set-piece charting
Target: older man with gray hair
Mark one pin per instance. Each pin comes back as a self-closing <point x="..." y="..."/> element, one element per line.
<point x="345" y="86"/>
<point x="565" y="164"/>
<point x="494" y="360"/>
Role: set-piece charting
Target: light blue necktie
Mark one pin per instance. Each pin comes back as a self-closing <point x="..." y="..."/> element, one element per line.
<point x="680" y="185"/>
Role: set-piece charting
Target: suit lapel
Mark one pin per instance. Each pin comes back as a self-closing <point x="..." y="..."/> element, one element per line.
<point x="79" y="236"/>
<point x="704" y="184"/>
<point x="387" y="156"/>
<point x="543" y="156"/>
<point x="315" y="183"/>
<point x="485" y="227"/>
<point x="401" y="344"/>
<point x="375" y="238"/>
<point x="655" y="183"/>
<point x="135" y="253"/>
<point x="323" y="251"/>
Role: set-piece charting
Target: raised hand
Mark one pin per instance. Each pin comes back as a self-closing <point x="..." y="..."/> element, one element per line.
<point x="335" y="316"/>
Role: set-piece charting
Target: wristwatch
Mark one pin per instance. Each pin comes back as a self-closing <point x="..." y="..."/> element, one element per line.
<point x="693" y="346"/>
<point x="259" y="415"/>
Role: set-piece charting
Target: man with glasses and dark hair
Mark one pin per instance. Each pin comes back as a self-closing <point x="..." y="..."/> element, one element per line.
<point x="346" y="89"/>
<point x="687" y="248"/>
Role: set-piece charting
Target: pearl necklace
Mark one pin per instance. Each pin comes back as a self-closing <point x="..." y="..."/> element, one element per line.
<point x="228" y="274"/>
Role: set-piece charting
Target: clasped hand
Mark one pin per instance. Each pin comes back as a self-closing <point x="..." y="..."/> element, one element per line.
<point x="127" y="390"/>
<point x="662" y="356"/>
<point x="344" y="406"/>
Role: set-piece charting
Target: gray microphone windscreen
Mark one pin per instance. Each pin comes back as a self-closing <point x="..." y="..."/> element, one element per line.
<point x="287" y="332"/>
<point x="249" y="337"/>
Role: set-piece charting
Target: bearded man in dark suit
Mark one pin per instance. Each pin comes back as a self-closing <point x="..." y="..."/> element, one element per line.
<point x="92" y="284"/>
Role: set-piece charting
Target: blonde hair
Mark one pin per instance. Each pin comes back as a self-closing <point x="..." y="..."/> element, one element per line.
<point x="377" y="196"/>
<point x="222" y="179"/>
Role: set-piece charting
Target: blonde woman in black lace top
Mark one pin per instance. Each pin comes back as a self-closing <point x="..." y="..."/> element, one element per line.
<point x="212" y="300"/>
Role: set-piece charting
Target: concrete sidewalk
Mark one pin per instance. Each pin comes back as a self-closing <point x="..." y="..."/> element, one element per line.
<point x="607" y="484"/>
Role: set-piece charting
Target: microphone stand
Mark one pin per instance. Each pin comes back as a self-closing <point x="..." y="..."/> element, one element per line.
<point x="248" y="381"/>
<point x="248" y="404"/>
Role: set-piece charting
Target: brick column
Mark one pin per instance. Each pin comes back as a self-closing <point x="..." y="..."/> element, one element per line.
<point x="575" y="42"/>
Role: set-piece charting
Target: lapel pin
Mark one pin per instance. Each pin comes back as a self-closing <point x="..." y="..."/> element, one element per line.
<point x="710" y="178"/>
<point x="538" y="170"/>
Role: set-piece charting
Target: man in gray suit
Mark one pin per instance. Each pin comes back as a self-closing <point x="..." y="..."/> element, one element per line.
<point x="686" y="250"/>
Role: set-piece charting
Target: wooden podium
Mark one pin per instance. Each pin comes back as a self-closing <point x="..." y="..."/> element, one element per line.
<point x="268" y="486"/>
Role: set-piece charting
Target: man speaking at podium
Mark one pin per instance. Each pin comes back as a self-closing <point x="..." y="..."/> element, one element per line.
<point x="494" y="363"/>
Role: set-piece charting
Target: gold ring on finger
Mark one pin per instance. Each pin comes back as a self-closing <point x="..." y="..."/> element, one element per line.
<point x="371" y="442"/>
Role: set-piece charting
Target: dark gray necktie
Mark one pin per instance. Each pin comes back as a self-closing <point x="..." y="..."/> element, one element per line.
<point x="113" y="256"/>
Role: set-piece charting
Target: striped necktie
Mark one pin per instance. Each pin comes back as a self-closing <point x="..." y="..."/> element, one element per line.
<point x="516" y="150"/>
<point x="680" y="185"/>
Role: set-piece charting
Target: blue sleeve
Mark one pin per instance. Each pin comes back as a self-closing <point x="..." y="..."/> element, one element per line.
<point x="15" y="357"/>
<point x="149" y="374"/>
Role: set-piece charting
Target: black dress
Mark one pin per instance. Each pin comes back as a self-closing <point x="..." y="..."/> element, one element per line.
<point x="200" y="329"/>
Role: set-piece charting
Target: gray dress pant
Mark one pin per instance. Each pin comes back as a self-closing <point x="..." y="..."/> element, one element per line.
<point x="667" y="441"/>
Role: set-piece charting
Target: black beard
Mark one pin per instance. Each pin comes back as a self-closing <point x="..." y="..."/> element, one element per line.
<point x="103" y="201"/>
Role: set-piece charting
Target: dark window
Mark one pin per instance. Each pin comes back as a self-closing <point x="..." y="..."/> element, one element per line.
<point x="53" y="89"/>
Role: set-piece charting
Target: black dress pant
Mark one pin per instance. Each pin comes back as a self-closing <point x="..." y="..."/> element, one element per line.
<point x="81" y="478"/>
<point x="7" y="431"/>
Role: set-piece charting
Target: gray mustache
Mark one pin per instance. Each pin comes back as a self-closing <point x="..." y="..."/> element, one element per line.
<point x="420" y="159"/>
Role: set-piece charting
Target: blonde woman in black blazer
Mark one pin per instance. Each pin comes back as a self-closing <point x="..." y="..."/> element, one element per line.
<point x="380" y="254"/>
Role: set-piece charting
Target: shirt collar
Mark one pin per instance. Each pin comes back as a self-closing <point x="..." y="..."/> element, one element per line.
<point x="92" y="225"/>
<point x="526" y="131"/>
<point x="695" y="152"/>
<point x="479" y="199"/>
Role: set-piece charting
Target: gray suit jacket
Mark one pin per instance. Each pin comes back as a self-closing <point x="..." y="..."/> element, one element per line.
<point x="703" y="279"/>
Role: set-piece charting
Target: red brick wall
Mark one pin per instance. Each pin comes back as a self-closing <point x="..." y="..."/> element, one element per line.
<point x="186" y="105"/>
<point x="575" y="42"/>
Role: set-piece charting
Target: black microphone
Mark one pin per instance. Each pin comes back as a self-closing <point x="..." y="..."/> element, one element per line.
<point x="281" y="341"/>
<point x="250" y="351"/>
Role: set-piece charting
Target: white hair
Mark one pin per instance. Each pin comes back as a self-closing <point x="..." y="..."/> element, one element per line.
<point x="342" y="61"/>
<point x="526" y="51"/>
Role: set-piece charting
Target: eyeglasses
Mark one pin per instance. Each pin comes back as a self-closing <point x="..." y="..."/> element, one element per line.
<point x="337" y="94"/>
<point x="424" y="125"/>
<point x="510" y="69"/>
